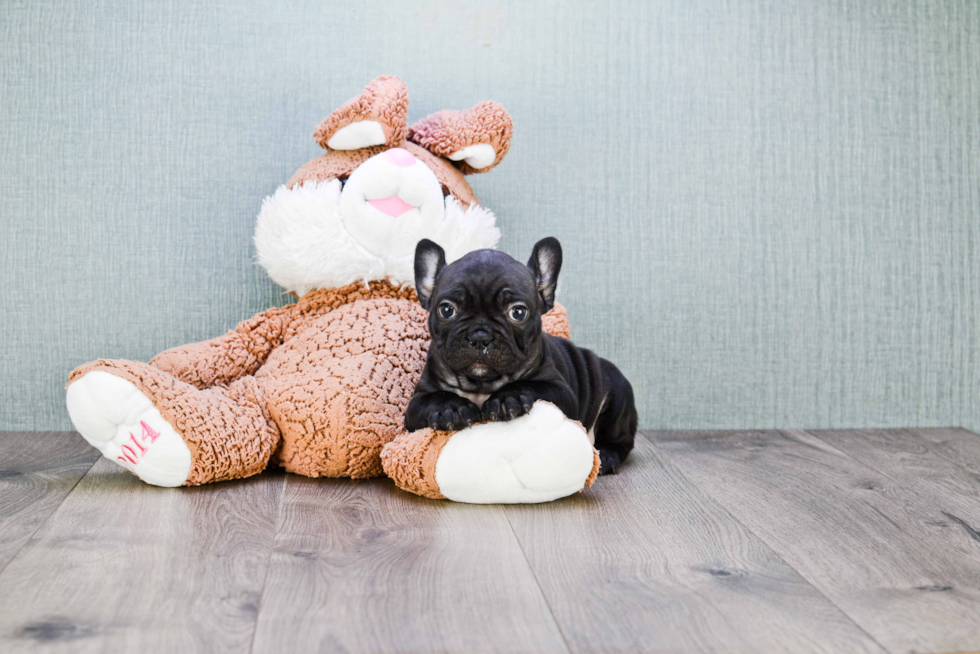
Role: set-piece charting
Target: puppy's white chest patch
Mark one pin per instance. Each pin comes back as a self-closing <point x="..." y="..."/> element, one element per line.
<point x="476" y="398"/>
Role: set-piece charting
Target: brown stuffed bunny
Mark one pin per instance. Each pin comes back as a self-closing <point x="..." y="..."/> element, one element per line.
<point x="320" y="386"/>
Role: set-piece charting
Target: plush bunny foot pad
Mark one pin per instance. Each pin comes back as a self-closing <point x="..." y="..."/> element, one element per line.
<point x="122" y="423"/>
<point x="539" y="457"/>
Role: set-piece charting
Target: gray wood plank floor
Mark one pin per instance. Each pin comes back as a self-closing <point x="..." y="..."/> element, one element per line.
<point x="37" y="471"/>
<point x="359" y="566"/>
<point x="793" y="541"/>
<point x="874" y="545"/>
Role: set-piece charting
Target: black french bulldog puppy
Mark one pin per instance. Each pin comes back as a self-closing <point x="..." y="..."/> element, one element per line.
<point x="489" y="359"/>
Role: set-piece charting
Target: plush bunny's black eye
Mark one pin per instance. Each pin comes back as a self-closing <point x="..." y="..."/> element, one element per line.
<point x="518" y="313"/>
<point x="446" y="310"/>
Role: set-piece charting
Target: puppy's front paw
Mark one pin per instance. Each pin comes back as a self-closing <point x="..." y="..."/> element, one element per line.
<point x="608" y="462"/>
<point x="507" y="405"/>
<point x="453" y="415"/>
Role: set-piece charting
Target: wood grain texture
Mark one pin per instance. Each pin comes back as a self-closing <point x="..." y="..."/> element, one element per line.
<point x="363" y="567"/>
<point x="646" y="562"/>
<point x="923" y="469"/>
<point x="37" y="471"/>
<point x="884" y="554"/>
<point x="126" y="567"/>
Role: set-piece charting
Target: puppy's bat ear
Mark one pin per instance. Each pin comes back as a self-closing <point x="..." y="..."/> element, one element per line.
<point x="545" y="263"/>
<point x="430" y="259"/>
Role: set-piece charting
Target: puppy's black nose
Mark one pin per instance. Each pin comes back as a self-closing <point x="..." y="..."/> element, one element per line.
<point x="479" y="338"/>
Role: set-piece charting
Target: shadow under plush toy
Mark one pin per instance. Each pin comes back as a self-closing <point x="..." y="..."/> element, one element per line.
<point x="320" y="387"/>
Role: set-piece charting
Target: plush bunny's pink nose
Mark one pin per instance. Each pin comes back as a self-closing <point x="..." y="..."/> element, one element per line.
<point x="400" y="157"/>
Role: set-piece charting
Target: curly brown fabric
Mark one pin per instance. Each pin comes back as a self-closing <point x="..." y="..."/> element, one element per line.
<point x="449" y="131"/>
<point x="410" y="461"/>
<point x="338" y="391"/>
<point x="555" y="322"/>
<point x="224" y="359"/>
<point x="384" y="100"/>
<point x="333" y="164"/>
<point x="244" y="349"/>
<point x="596" y="462"/>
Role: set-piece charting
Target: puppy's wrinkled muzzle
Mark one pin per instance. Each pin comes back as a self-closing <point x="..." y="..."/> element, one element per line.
<point x="479" y="339"/>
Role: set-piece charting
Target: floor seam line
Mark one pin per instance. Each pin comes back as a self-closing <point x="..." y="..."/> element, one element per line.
<point x="873" y="468"/>
<point x="537" y="583"/>
<point x="268" y="563"/>
<point x="938" y="453"/>
<point x="48" y="517"/>
<point x="762" y="540"/>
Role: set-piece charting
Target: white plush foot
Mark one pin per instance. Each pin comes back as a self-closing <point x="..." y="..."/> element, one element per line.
<point x="536" y="458"/>
<point x="122" y="423"/>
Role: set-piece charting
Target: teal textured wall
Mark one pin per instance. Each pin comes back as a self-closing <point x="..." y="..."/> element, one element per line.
<point x="770" y="209"/>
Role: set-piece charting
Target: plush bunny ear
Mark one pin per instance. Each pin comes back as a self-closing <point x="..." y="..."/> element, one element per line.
<point x="478" y="138"/>
<point x="375" y="117"/>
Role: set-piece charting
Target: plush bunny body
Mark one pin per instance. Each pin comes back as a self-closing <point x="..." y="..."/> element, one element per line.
<point x="320" y="386"/>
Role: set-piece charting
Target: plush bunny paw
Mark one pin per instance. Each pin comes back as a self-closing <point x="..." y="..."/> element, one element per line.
<point x="121" y="422"/>
<point x="537" y="457"/>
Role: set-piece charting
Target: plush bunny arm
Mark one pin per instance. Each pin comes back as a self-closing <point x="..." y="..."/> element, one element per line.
<point x="222" y="360"/>
<point x="538" y="457"/>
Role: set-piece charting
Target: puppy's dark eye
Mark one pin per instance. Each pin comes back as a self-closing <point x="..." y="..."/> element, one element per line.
<point x="518" y="313"/>
<point x="446" y="311"/>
